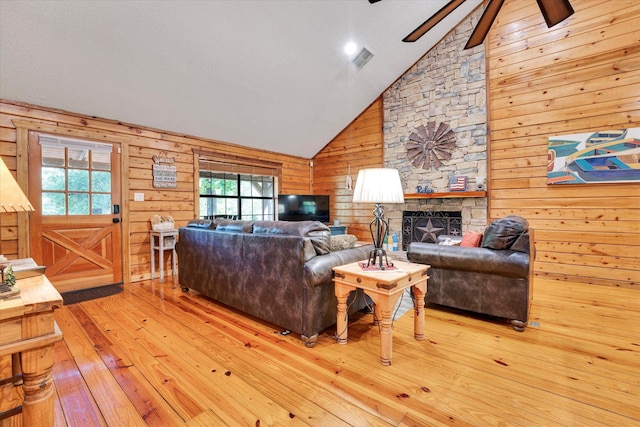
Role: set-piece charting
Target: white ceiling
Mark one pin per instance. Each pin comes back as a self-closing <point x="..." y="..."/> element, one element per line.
<point x="269" y="74"/>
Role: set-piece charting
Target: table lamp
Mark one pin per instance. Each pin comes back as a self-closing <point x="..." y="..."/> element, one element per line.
<point x="12" y="199"/>
<point x="378" y="185"/>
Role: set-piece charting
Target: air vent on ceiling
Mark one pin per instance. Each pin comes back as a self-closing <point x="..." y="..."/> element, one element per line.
<point x="362" y="57"/>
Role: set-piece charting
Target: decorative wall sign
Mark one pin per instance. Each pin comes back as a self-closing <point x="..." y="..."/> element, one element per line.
<point x="429" y="146"/>
<point x="605" y="156"/>
<point x="164" y="172"/>
<point x="424" y="189"/>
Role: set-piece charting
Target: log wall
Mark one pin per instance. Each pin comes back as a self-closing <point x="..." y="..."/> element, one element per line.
<point x="358" y="146"/>
<point x="139" y="145"/>
<point x="581" y="76"/>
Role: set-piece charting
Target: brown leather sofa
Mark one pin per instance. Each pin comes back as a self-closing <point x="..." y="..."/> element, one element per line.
<point x="277" y="271"/>
<point x="495" y="279"/>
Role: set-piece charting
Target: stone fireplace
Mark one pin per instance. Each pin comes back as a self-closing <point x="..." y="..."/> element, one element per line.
<point x="426" y="226"/>
<point x="434" y="133"/>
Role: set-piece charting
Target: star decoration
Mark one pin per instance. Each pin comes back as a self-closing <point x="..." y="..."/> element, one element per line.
<point x="429" y="231"/>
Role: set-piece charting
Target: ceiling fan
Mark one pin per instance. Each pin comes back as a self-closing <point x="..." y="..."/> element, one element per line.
<point x="553" y="11"/>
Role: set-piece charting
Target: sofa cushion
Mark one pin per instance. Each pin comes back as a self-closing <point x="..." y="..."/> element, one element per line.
<point x="503" y="232"/>
<point x="202" y="223"/>
<point x="235" y="226"/>
<point x="317" y="232"/>
<point x="471" y="239"/>
<point x="342" y="241"/>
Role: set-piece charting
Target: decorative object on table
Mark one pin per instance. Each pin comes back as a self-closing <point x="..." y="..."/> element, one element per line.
<point x="8" y="286"/>
<point x="605" y="156"/>
<point x="430" y="146"/>
<point x="480" y="183"/>
<point x="457" y="183"/>
<point x="378" y="185"/>
<point x="12" y="200"/>
<point x="161" y="223"/>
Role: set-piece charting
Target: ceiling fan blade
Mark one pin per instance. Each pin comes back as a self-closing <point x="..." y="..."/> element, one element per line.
<point x="431" y="22"/>
<point x="373" y="1"/>
<point x="555" y="11"/>
<point x="484" y="24"/>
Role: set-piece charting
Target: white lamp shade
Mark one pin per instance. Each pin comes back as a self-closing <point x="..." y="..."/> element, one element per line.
<point x="379" y="185"/>
<point x="12" y="198"/>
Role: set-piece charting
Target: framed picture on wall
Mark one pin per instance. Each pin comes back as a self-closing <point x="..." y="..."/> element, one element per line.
<point x="605" y="156"/>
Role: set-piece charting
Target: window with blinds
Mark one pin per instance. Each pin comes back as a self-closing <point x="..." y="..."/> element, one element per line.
<point x="237" y="188"/>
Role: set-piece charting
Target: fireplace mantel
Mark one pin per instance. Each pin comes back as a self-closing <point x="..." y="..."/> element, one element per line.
<point x="446" y="195"/>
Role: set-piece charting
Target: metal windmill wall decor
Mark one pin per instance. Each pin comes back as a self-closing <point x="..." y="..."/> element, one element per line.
<point x="430" y="146"/>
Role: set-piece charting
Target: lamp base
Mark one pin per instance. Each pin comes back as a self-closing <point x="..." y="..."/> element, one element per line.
<point x="379" y="256"/>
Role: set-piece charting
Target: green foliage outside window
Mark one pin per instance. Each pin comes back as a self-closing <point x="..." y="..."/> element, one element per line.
<point x="74" y="190"/>
<point x="236" y="196"/>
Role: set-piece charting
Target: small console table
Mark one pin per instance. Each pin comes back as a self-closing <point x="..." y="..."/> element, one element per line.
<point x="161" y="241"/>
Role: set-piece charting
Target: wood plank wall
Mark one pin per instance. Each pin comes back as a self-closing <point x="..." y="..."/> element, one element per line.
<point x="360" y="145"/>
<point x="140" y="145"/>
<point x="581" y="76"/>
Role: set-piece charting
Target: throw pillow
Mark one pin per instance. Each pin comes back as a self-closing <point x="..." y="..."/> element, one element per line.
<point x="342" y="241"/>
<point x="471" y="239"/>
<point x="502" y="233"/>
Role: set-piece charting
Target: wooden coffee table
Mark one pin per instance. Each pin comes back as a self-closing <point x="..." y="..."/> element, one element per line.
<point x="384" y="288"/>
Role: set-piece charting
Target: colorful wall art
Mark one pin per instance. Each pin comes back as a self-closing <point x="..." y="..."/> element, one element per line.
<point x="605" y="156"/>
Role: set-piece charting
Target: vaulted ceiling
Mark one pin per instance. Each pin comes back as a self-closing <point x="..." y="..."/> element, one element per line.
<point x="270" y="74"/>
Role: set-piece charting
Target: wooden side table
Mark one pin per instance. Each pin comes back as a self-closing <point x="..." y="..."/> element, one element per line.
<point x="28" y="332"/>
<point x="163" y="241"/>
<point x="384" y="288"/>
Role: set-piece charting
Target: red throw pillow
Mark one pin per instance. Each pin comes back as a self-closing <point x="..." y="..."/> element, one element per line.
<point x="471" y="239"/>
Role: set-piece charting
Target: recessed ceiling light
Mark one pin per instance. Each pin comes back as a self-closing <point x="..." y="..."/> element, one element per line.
<point x="350" y="48"/>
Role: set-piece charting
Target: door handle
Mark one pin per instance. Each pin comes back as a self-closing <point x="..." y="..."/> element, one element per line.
<point x="116" y="220"/>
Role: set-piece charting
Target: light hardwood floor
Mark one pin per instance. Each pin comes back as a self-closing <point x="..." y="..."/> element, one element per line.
<point x="156" y="356"/>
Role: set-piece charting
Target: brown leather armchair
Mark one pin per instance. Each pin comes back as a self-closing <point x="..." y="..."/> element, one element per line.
<point x="495" y="279"/>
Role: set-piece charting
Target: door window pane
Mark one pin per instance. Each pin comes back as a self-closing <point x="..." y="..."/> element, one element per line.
<point x="78" y="203"/>
<point x="101" y="181"/>
<point x="53" y="179"/>
<point x="53" y="204"/>
<point x="101" y="204"/>
<point x="53" y="156"/>
<point x="101" y="160"/>
<point x="78" y="180"/>
<point x="78" y="158"/>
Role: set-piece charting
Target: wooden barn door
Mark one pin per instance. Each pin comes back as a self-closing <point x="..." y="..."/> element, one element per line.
<point x="75" y="230"/>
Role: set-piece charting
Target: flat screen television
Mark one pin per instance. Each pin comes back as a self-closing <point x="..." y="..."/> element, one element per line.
<point x="303" y="207"/>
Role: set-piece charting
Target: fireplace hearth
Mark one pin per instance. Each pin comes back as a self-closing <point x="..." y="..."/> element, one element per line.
<point x="426" y="226"/>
